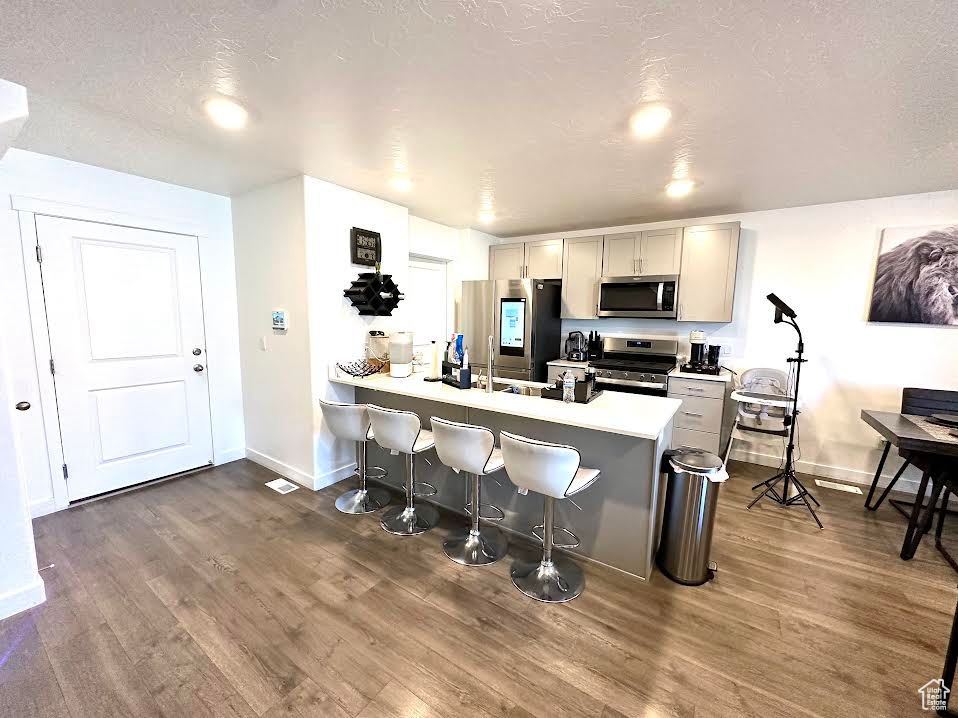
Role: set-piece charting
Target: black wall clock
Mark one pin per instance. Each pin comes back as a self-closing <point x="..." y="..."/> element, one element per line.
<point x="365" y="247"/>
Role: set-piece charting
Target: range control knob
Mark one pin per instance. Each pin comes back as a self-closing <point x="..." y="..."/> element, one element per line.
<point x="608" y="374"/>
<point x="625" y="375"/>
<point x="643" y="377"/>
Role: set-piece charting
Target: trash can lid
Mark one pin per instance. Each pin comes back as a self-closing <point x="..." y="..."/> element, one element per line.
<point x="697" y="461"/>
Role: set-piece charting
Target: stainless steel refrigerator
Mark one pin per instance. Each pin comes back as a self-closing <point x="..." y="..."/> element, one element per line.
<point x="522" y="316"/>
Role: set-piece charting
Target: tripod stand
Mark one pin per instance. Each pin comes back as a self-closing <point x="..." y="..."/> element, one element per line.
<point x="787" y="475"/>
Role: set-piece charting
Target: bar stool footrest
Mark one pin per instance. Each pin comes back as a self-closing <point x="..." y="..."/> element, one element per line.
<point x="422" y="489"/>
<point x="493" y="512"/>
<point x="376" y="472"/>
<point x="539" y="529"/>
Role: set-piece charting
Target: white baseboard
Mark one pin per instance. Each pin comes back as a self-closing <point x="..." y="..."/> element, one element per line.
<point x="227" y="455"/>
<point x="284" y="470"/>
<point x="335" y="476"/>
<point x="905" y="484"/>
<point x="20" y="599"/>
<point x="42" y="508"/>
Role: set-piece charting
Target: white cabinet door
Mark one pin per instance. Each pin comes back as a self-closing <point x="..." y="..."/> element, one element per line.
<point x="506" y="261"/>
<point x="620" y="255"/>
<point x="707" y="277"/>
<point x="126" y="332"/>
<point x="660" y="251"/>
<point x="544" y="259"/>
<point x="581" y="269"/>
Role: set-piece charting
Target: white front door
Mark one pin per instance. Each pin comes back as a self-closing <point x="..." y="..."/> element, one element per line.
<point x="125" y="315"/>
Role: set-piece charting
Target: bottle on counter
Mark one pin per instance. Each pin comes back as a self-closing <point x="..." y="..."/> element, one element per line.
<point x="568" y="386"/>
<point x="465" y="357"/>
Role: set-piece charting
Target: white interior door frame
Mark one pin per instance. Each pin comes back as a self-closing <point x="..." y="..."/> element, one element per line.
<point x="27" y="209"/>
<point x="449" y="308"/>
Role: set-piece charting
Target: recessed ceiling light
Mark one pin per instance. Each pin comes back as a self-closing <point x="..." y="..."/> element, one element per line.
<point x="226" y="113"/>
<point x="679" y="188"/>
<point x="486" y="216"/>
<point x="649" y="120"/>
<point x="400" y="183"/>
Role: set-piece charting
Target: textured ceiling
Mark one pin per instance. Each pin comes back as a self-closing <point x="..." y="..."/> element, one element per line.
<point x="776" y="104"/>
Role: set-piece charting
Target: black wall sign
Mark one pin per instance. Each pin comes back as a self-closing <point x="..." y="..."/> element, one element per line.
<point x="365" y="247"/>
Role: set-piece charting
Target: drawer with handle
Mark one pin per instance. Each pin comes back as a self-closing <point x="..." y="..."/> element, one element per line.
<point x="696" y="440"/>
<point x="696" y="387"/>
<point x="700" y="414"/>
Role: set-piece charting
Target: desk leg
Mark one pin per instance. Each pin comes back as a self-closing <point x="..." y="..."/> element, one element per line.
<point x="912" y="534"/>
<point x="951" y="658"/>
<point x="881" y="465"/>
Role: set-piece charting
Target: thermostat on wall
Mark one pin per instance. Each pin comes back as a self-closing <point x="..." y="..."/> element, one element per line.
<point x="280" y="320"/>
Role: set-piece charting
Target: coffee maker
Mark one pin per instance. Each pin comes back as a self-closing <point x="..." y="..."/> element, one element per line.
<point x="703" y="358"/>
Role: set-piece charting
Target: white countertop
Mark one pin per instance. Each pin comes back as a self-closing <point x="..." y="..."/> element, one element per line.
<point x="637" y="415"/>
<point x="724" y="376"/>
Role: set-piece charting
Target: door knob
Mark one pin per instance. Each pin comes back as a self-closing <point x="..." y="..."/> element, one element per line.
<point x="197" y="367"/>
<point x="23" y="405"/>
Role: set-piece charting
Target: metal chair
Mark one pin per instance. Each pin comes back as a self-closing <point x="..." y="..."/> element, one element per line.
<point x="402" y="432"/>
<point x="350" y="422"/>
<point x="554" y="471"/>
<point x="471" y="449"/>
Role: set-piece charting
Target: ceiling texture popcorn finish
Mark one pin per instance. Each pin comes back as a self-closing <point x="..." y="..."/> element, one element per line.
<point x="773" y="104"/>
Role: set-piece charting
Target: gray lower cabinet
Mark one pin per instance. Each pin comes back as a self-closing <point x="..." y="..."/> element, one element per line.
<point x="704" y="420"/>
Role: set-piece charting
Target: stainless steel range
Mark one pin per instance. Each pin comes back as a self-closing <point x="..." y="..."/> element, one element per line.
<point x="635" y="364"/>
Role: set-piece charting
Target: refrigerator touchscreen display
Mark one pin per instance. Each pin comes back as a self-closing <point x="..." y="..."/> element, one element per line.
<point x="512" y="326"/>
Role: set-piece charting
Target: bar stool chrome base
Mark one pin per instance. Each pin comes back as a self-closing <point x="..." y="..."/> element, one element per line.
<point x="553" y="581"/>
<point x="410" y="520"/>
<point x="362" y="501"/>
<point x="476" y="548"/>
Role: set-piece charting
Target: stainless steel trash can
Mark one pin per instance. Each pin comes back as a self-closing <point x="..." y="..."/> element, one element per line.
<point x="694" y="478"/>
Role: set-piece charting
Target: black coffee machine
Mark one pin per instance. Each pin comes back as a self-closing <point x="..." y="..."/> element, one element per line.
<point x="703" y="358"/>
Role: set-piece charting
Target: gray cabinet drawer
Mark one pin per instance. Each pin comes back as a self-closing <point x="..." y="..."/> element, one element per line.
<point x="700" y="414"/>
<point x="696" y="387"/>
<point x="696" y="440"/>
<point x="554" y="372"/>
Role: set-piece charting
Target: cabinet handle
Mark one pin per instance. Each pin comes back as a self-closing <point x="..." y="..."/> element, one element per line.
<point x="695" y="388"/>
<point x="691" y="413"/>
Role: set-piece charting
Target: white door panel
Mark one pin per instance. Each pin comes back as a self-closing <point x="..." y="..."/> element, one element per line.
<point x="124" y="309"/>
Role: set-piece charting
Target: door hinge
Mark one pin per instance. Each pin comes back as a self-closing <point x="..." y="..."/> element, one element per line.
<point x="52" y="370"/>
<point x="66" y="474"/>
<point x="39" y="255"/>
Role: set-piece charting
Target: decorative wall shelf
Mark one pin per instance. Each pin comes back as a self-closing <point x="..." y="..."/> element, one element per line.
<point x="374" y="294"/>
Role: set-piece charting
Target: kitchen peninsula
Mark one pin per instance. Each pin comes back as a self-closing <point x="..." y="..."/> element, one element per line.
<point x="622" y="435"/>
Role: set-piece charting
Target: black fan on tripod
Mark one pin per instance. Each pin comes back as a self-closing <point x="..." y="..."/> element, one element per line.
<point x="780" y="494"/>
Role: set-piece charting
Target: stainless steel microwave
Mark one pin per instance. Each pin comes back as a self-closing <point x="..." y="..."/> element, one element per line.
<point x="652" y="297"/>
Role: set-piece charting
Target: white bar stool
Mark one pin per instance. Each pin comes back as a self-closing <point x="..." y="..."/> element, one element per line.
<point x="401" y="432"/>
<point x="350" y="422"/>
<point x="552" y="470"/>
<point x="471" y="449"/>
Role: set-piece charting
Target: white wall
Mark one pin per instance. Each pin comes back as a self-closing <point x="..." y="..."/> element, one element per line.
<point x="821" y="261"/>
<point x="292" y="246"/>
<point x="337" y="330"/>
<point x="76" y="190"/>
<point x="270" y="244"/>
<point x="20" y="584"/>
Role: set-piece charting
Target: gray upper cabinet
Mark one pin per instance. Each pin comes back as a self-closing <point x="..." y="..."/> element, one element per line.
<point x="506" y="261"/>
<point x="582" y="265"/>
<point x="620" y="255"/>
<point x="707" y="276"/>
<point x="656" y="251"/>
<point x="544" y="259"/>
<point x="660" y="251"/>
<point x="541" y="259"/>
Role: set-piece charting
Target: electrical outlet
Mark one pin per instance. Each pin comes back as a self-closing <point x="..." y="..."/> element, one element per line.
<point x="726" y="350"/>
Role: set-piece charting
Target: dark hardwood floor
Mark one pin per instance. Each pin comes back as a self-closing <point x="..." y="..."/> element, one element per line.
<point x="212" y="595"/>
